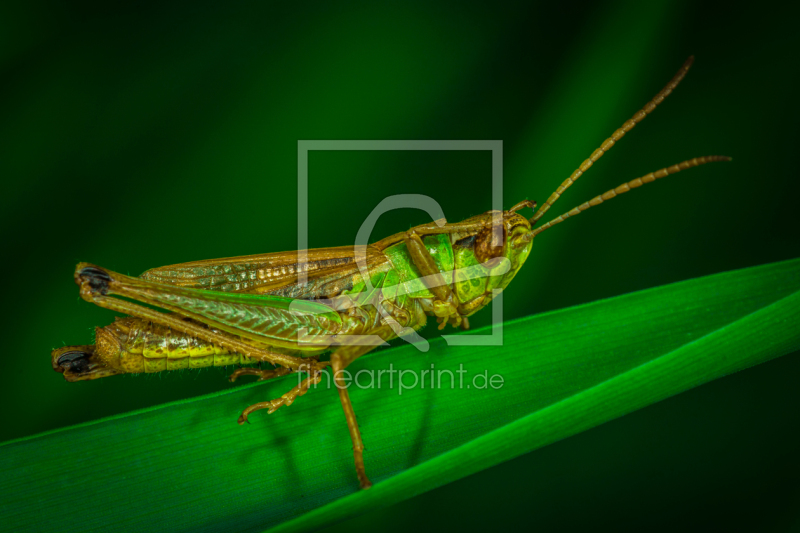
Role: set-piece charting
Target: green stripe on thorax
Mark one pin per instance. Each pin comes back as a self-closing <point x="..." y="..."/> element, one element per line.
<point x="442" y="252"/>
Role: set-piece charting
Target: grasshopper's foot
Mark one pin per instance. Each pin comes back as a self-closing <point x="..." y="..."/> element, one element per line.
<point x="286" y="399"/>
<point x="454" y="320"/>
<point x="447" y="313"/>
<point x="361" y="471"/>
<point x="262" y="374"/>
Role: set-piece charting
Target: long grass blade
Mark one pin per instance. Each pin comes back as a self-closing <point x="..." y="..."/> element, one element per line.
<point x="188" y="466"/>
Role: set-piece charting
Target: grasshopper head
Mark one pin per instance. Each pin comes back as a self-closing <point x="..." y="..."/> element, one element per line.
<point x="80" y="363"/>
<point x="498" y="241"/>
<point x="505" y="234"/>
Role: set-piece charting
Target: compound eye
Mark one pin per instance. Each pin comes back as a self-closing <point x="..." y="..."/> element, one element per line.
<point x="490" y="243"/>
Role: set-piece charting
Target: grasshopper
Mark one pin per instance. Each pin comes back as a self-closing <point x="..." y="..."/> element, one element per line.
<point x="281" y="309"/>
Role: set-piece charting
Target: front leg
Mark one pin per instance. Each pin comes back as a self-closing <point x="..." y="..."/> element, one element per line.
<point x="445" y="303"/>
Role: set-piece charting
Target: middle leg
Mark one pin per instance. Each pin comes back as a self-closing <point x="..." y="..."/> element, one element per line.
<point x="286" y="399"/>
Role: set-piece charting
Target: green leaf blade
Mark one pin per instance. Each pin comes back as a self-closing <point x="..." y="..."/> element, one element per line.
<point x="188" y="466"/>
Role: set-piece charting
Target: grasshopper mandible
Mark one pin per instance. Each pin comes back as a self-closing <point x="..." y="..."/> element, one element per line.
<point x="252" y="309"/>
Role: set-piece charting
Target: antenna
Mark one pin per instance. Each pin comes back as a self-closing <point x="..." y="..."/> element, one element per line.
<point x="616" y="136"/>
<point x="625" y="187"/>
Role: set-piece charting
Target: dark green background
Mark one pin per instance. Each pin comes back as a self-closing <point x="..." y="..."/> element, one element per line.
<point x="148" y="134"/>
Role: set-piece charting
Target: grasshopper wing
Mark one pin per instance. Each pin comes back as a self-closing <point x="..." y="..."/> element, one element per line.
<point x="328" y="270"/>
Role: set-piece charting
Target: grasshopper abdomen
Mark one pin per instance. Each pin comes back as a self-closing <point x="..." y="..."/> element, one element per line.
<point x="132" y="346"/>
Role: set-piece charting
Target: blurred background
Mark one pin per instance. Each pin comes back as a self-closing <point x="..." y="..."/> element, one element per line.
<point x="140" y="135"/>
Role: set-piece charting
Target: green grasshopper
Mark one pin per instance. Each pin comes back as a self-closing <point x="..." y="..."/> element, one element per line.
<point x="286" y="308"/>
